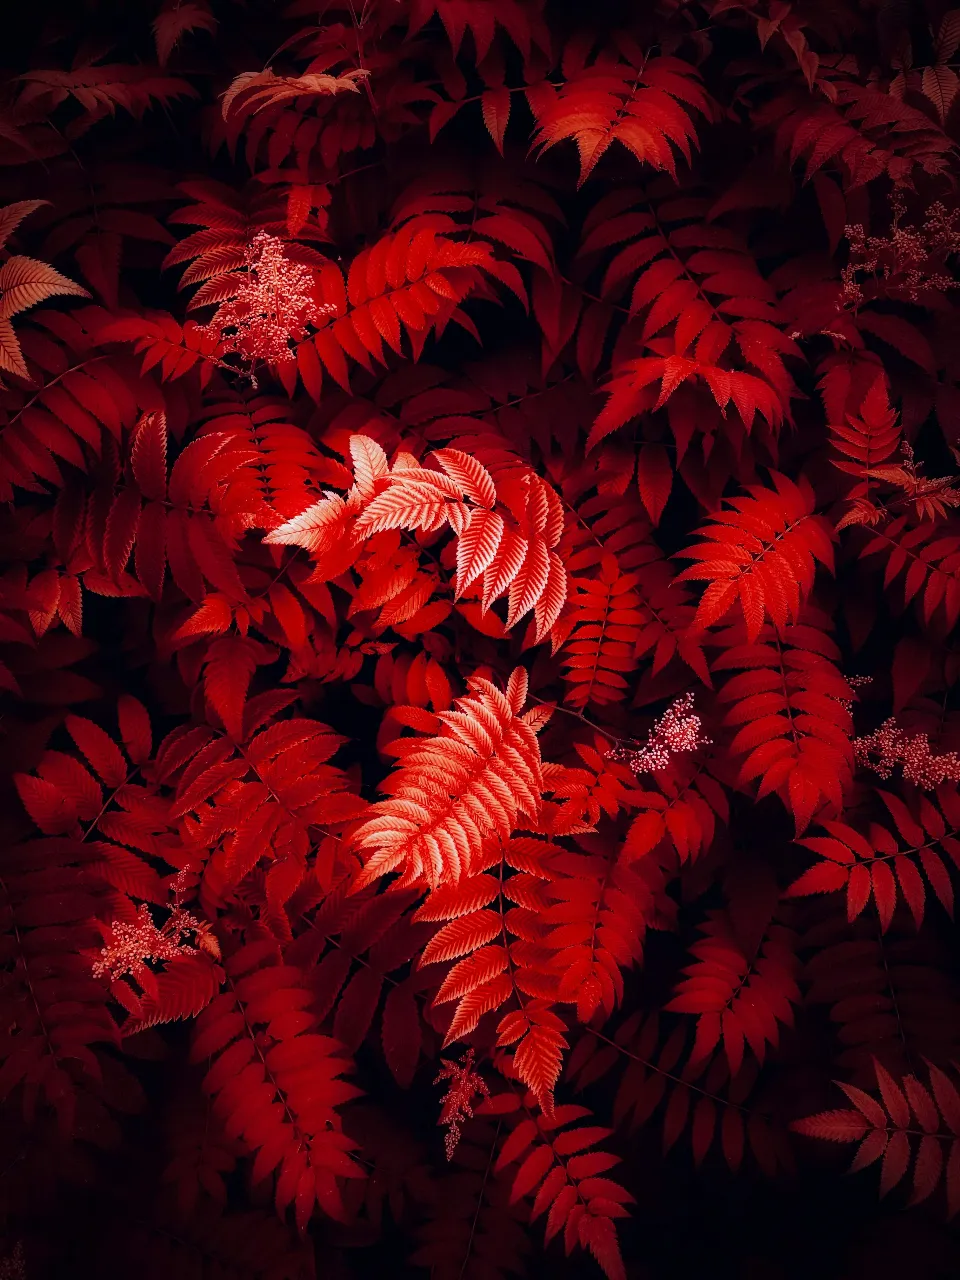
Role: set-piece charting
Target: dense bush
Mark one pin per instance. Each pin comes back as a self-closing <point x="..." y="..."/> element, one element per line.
<point x="478" y="638"/>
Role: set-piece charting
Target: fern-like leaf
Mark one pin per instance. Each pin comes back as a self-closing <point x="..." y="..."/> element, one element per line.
<point x="873" y="864"/>
<point x="276" y="1083"/>
<point x="566" y="1179"/>
<point x="911" y="1123"/>
<point x="471" y="780"/>
<point x="644" y="105"/>
<point x="762" y="552"/>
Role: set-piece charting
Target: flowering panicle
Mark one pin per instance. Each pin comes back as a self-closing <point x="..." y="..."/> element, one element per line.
<point x="889" y="746"/>
<point x="909" y="261"/>
<point x="275" y="303"/>
<point x="128" y="946"/>
<point x="14" y="1265"/>
<point x="457" y="1106"/>
<point x="677" y="731"/>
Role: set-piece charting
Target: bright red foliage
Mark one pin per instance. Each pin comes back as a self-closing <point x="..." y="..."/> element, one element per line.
<point x="480" y="575"/>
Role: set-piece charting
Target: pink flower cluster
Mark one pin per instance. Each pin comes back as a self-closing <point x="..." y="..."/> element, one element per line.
<point x="275" y="302"/>
<point x="891" y="746"/>
<point x="677" y="731"/>
<point x="131" y="945"/>
<point x="908" y="262"/>
<point x="14" y="1266"/>
<point x="465" y="1085"/>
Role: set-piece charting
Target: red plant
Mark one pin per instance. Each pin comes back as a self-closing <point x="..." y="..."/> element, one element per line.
<point x="480" y="576"/>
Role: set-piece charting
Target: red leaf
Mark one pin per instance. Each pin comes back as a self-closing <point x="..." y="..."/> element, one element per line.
<point x="655" y="478"/>
<point x="825" y="877"/>
<point x="837" y="1126"/>
<point x="884" y="892"/>
<point x="226" y="679"/>
<point x="495" y="104"/>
